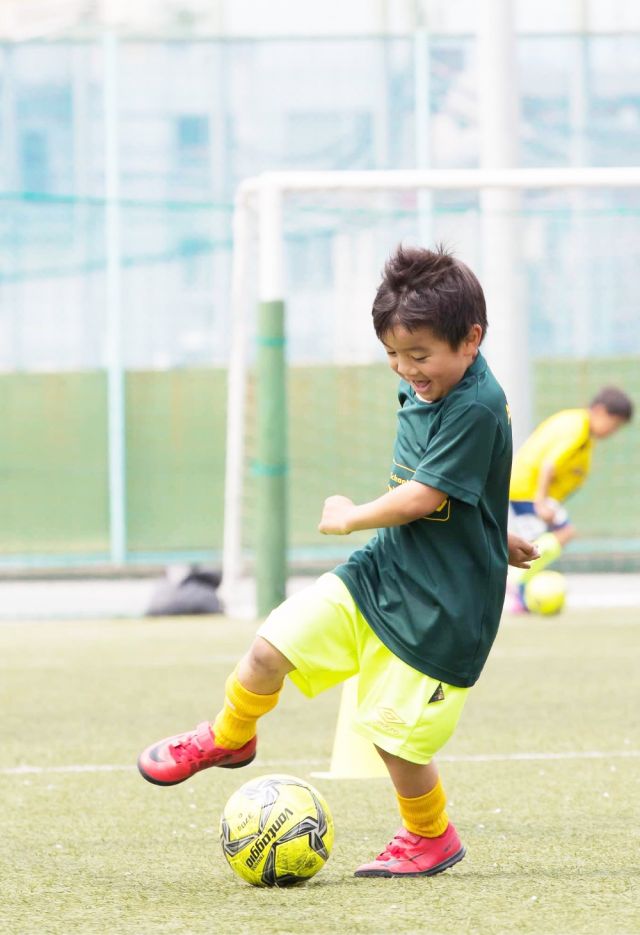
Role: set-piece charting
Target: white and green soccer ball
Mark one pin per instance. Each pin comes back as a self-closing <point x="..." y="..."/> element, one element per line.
<point x="276" y="831"/>
<point x="545" y="593"/>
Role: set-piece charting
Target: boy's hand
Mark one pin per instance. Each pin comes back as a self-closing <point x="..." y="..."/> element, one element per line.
<point x="545" y="509"/>
<point x="336" y="515"/>
<point x="521" y="552"/>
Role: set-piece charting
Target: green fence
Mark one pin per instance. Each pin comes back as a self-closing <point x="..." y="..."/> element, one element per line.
<point x="54" y="492"/>
<point x="54" y="489"/>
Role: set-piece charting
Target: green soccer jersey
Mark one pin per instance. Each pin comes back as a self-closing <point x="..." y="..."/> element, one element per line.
<point x="433" y="589"/>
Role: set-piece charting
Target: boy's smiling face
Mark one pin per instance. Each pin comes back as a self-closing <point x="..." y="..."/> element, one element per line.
<point x="428" y="363"/>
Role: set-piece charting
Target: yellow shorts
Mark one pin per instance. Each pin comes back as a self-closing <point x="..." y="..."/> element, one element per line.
<point x="322" y="632"/>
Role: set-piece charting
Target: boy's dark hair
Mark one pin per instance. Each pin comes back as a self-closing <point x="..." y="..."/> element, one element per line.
<point x="429" y="289"/>
<point x="615" y="401"/>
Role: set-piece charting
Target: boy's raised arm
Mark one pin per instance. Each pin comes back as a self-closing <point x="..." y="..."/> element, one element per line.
<point x="401" y="505"/>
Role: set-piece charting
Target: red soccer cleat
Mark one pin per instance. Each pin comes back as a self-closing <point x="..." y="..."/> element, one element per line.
<point x="174" y="759"/>
<point x="410" y="855"/>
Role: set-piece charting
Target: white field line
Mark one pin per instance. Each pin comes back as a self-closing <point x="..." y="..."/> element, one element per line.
<point x="460" y="758"/>
<point x="565" y="755"/>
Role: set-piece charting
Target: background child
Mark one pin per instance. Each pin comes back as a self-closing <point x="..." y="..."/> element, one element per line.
<point x="552" y="464"/>
<point x="415" y="611"/>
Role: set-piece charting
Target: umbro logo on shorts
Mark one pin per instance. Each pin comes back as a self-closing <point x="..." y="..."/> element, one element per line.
<point x="389" y="716"/>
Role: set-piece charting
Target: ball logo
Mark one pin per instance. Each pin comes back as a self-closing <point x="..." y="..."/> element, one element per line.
<point x="260" y="845"/>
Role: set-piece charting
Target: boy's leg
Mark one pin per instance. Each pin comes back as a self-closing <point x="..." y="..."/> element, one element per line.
<point x="550" y="542"/>
<point x="550" y="545"/>
<point x="427" y="843"/>
<point x="409" y="716"/>
<point x="251" y="690"/>
<point x="311" y="637"/>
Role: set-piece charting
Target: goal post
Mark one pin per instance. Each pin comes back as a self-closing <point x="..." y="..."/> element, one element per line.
<point x="269" y="467"/>
<point x="259" y="234"/>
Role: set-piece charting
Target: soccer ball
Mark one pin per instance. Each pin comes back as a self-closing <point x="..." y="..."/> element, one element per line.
<point x="276" y="831"/>
<point x="545" y="593"/>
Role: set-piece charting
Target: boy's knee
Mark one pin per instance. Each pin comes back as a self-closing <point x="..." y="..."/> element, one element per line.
<point x="565" y="534"/>
<point x="266" y="660"/>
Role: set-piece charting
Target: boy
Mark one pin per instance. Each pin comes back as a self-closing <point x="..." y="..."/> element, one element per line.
<point x="414" y="611"/>
<point x="551" y="465"/>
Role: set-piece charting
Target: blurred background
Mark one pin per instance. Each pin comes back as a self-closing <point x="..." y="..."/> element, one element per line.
<point x="125" y="130"/>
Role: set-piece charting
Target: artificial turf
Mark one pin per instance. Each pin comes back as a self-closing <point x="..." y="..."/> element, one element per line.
<point x="553" y="842"/>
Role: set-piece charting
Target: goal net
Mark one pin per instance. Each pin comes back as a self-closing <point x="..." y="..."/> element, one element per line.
<point x="557" y="252"/>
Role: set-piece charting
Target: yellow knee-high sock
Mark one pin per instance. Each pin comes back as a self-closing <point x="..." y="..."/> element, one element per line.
<point x="425" y="815"/>
<point x="236" y="723"/>
<point x="549" y="549"/>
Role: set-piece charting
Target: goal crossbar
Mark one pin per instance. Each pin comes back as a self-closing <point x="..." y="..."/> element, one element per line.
<point x="442" y="179"/>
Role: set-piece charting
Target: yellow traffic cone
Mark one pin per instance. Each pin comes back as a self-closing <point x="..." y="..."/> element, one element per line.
<point x="353" y="757"/>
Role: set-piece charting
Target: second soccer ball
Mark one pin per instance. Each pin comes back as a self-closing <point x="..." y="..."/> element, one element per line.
<point x="545" y="593"/>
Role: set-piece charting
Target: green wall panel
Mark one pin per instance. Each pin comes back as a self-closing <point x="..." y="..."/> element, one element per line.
<point x="175" y="459"/>
<point x="53" y="463"/>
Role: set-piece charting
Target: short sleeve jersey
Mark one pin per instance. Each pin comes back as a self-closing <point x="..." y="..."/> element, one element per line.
<point x="564" y="440"/>
<point x="433" y="589"/>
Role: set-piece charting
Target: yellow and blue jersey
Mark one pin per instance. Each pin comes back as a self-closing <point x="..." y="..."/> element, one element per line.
<point x="564" y="440"/>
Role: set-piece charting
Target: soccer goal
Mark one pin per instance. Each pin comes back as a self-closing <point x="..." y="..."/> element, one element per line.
<point x="311" y="400"/>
